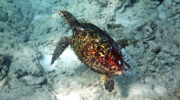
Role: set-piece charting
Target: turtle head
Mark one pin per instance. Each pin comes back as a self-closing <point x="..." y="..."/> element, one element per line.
<point x="116" y="63"/>
<point x="65" y="14"/>
<point x="69" y="18"/>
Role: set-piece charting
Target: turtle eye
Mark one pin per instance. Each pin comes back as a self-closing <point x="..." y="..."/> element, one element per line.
<point x="62" y="13"/>
<point x="119" y="62"/>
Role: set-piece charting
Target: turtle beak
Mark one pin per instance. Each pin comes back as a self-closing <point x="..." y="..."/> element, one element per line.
<point x="118" y="73"/>
<point x="60" y="13"/>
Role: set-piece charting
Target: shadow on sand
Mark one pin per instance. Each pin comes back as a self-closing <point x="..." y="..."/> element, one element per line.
<point x="125" y="81"/>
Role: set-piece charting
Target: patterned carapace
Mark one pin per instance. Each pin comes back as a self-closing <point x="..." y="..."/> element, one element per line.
<point x="97" y="50"/>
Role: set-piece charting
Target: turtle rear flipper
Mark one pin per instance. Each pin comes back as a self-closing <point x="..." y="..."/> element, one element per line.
<point x="61" y="46"/>
<point x="108" y="82"/>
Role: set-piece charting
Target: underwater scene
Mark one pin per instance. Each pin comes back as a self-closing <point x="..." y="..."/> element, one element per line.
<point x="89" y="49"/>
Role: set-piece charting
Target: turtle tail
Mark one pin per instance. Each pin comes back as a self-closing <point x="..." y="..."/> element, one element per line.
<point x="69" y="18"/>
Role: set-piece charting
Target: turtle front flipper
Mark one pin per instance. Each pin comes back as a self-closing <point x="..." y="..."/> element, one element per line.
<point x="61" y="46"/>
<point x="108" y="82"/>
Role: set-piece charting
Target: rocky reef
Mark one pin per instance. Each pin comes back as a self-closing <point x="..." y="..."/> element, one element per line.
<point x="148" y="30"/>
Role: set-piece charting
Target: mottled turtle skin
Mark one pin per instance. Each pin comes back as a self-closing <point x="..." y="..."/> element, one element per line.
<point x="94" y="47"/>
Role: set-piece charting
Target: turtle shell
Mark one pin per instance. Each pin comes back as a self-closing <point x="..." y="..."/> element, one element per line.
<point x="95" y="48"/>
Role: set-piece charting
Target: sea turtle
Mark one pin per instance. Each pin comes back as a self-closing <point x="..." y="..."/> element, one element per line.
<point x="94" y="47"/>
